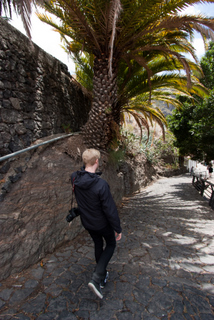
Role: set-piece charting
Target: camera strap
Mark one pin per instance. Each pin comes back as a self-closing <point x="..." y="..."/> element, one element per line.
<point x="72" y="195"/>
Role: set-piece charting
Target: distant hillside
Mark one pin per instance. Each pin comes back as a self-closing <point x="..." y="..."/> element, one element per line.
<point x="132" y="126"/>
<point x="166" y="109"/>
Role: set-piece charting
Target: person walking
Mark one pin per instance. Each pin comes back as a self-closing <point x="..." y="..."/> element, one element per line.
<point x="210" y="169"/>
<point x="99" y="215"/>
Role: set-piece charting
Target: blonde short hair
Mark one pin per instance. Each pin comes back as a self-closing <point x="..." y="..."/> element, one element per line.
<point x="90" y="156"/>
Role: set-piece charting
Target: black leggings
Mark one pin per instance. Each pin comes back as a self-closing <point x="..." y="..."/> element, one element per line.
<point x="103" y="255"/>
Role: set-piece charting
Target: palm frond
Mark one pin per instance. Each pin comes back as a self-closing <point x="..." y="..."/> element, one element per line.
<point x="112" y="21"/>
<point x="140" y="120"/>
<point x="22" y="8"/>
<point x="84" y="71"/>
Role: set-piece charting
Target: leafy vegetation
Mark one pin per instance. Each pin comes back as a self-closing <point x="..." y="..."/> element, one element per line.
<point x="207" y="65"/>
<point x="193" y="125"/>
<point x="194" y="130"/>
<point x="157" y="152"/>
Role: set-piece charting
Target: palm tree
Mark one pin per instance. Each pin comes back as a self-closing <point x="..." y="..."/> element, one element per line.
<point x="134" y="95"/>
<point x="122" y="31"/>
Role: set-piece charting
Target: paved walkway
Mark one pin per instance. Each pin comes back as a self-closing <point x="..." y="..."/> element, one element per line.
<point x="163" y="267"/>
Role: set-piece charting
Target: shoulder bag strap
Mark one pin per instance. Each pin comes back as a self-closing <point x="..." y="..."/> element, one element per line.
<point x="72" y="195"/>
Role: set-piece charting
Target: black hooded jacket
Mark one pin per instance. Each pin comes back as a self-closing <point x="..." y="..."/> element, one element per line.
<point x="95" y="202"/>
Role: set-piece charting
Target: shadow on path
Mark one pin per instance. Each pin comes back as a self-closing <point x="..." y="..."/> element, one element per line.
<point x="163" y="267"/>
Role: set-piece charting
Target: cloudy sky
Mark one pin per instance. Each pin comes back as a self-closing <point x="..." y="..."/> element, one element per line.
<point x="49" y="40"/>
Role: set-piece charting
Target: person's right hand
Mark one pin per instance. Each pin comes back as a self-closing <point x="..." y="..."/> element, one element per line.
<point x="118" y="236"/>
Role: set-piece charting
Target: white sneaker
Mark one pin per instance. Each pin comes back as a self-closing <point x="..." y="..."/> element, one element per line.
<point x="95" y="287"/>
<point x="103" y="282"/>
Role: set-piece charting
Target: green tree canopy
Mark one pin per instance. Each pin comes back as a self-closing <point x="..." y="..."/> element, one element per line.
<point x="193" y="126"/>
<point x="194" y="130"/>
<point x="207" y="65"/>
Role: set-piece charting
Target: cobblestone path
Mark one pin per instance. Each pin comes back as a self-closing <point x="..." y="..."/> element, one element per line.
<point x="163" y="268"/>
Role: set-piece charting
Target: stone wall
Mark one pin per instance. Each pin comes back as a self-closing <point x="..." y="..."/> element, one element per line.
<point x="38" y="96"/>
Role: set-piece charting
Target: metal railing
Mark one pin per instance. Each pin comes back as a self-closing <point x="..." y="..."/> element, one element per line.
<point x="14" y="154"/>
<point x="206" y="188"/>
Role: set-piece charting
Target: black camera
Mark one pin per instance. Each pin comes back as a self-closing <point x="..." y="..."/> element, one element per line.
<point x="73" y="213"/>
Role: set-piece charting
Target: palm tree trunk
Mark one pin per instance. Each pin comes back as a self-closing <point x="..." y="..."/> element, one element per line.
<point x="100" y="127"/>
